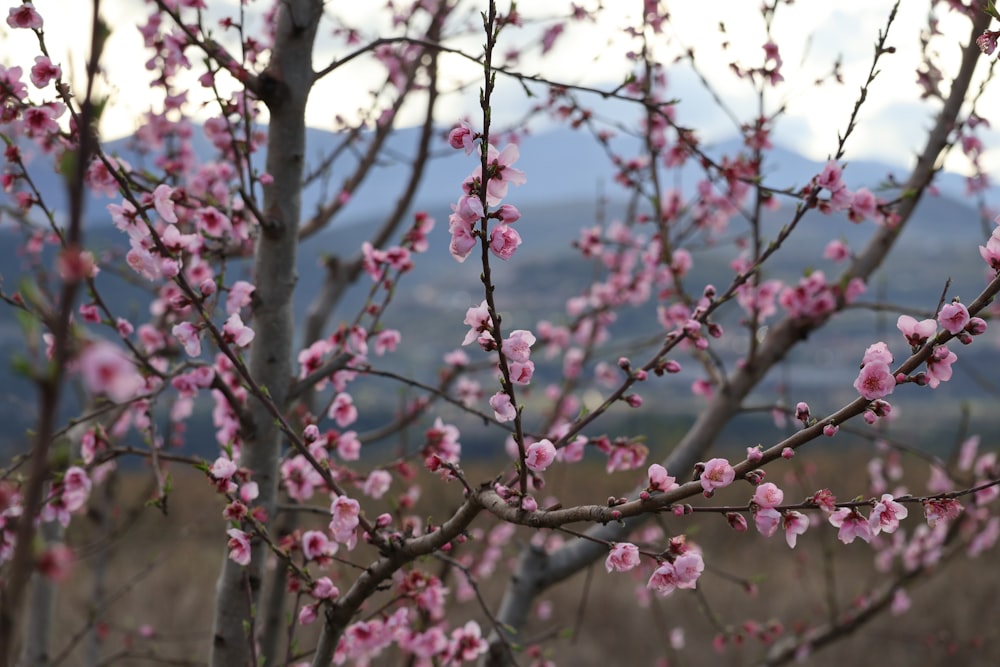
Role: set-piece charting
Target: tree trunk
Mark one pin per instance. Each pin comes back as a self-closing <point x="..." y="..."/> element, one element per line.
<point x="285" y="87"/>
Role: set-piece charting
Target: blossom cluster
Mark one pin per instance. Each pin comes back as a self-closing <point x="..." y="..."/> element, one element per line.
<point x="468" y="221"/>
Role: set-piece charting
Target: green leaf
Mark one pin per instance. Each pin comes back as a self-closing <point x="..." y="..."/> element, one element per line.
<point x="67" y="165"/>
<point x="22" y="366"/>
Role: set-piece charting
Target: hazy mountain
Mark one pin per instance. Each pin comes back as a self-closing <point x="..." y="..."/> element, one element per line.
<point x="569" y="184"/>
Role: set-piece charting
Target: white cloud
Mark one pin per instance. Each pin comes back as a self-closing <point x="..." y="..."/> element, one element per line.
<point x="810" y="34"/>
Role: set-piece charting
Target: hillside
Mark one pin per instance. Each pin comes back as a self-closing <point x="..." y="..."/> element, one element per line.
<point x="430" y="303"/>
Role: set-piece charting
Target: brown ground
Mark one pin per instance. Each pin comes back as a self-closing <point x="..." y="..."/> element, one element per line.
<point x="160" y="570"/>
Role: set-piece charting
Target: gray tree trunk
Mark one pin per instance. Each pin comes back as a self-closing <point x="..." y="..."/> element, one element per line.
<point x="285" y="87"/>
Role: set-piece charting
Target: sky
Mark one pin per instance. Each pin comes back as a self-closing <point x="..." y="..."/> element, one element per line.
<point x="810" y="35"/>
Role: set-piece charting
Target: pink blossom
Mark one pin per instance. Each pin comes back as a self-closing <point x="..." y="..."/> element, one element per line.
<point x="626" y="456"/>
<point x="837" y="250"/>
<point x="24" y="16"/>
<point x="239" y="546"/>
<point x="300" y="478"/>
<point x="90" y="313"/>
<point x="42" y="120"/>
<point x="249" y="491"/>
<point x="346" y="512"/>
<point x="324" y="589"/>
<point x="462" y="241"/>
<point x="624" y="556"/>
<point x="991" y="251"/>
<point x="234" y="331"/>
<point x="938" y="510"/>
<point x="829" y="178"/>
<point x="916" y="333"/>
<point x="56" y="562"/>
<point x="105" y="369"/>
<point x="465" y="215"/>
<point x="425" y="645"/>
<point x="825" y="500"/>
<point x="659" y="480"/>
<point x="953" y="317"/>
<point x="501" y="174"/>
<point x="43" y="71"/>
<point x="517" y="345"/>
<point x="939" y="366"/>
<point x="886" y="515"/>
<point x="851" y="524"/>
<point x="467" y="643"/>
<point x="462" y="137"/>
<point x="342" y="409"/>
<point x="877" y="353"/>
<point x="767" y="521"/>
<point x="348" y="446"/>
<point x="900" y="602"/>
<point x="702" y="387"/>
<point x="795" y="523"/>
<point x="682" y="573"/>
<point x="307" y="614"/>
<point x="717" y="474"/>
<point x="540" y="455"/>
<point x="377" y="483"/>
<point x="987" y="42"/>
<point x="863" y="205"/>
<point x="875" y="381"/>
<point x="163" y="203"/>
<point x="503" y="409"/>
<point x="985" y="538"/>
<point x="75" y="488"/>
<point x="386" y="341"/>
<point x="189" y="336"/>
<point x="239" y="296"/>
<point x="737" y="521"/>
<point x="478" y="319"/>
<point x="550" y="35"/>
<point x="211" y="222"/>
<point x="508" y="214"/>
<point x="521" y="372"/>
<point x="316" y="545"/>
<point x="504" y="240"/>
<point x="223" y="468"/>
<point x="768" y="496"/>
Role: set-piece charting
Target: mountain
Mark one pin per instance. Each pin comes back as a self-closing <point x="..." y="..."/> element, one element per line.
<point x="570" y="184"/>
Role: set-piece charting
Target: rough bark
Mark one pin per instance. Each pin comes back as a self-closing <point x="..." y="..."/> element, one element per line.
<point x="285" y="87"/>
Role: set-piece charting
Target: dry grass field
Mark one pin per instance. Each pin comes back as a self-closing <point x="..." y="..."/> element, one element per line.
<point x="152" y="579"/>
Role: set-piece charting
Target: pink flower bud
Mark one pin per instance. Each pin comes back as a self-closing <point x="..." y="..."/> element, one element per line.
<point x="737" y="521"/>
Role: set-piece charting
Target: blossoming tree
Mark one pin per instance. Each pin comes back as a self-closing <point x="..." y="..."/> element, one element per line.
<point x="323" y="528"/>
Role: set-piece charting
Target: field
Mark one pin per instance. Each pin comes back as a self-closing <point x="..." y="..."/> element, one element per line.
<point x="142" y="590"/>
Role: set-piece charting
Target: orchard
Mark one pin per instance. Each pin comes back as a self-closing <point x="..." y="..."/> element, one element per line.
<point x="522" y="360"/>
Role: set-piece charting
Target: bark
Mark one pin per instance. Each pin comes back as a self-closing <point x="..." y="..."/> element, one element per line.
<point x="285" y="87"/>
<point x="41" y="607"/>
<point x="537" y="570"/>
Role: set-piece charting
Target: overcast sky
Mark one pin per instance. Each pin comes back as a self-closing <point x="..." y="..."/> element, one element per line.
<point x="811" y="34"/>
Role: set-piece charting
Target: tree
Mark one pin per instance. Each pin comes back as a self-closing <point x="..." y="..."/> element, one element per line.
<point x="309" y="532"/>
